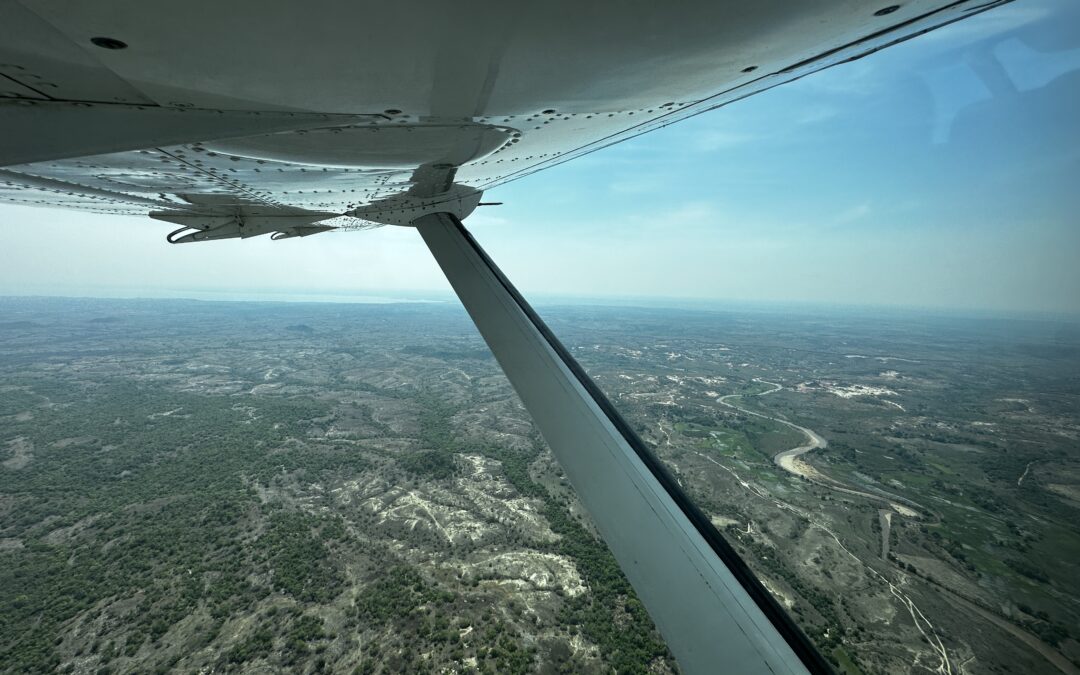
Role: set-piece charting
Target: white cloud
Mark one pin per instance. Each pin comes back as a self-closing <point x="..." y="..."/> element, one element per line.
<point x="852" y="214"/>
<point x="721" y="139"/>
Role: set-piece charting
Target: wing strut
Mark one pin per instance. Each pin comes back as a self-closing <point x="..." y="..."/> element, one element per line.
<point x="711" y="610"/>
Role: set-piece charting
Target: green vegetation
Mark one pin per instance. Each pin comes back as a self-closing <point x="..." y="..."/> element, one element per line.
<point x="139" y="506"/>
<point x="433" y="464"/>
<point x="195" y="487"/>
<point x="395" y="596"/>
<point x="842" y="660"/>
<point x="610" y="615"/>
<point x="294" y="545"/>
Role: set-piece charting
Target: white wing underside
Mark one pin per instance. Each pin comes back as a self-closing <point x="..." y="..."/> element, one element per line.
<point x="350" y="111"/>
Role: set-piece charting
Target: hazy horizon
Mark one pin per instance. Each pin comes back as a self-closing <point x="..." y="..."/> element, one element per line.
<point x="445" y="297"/>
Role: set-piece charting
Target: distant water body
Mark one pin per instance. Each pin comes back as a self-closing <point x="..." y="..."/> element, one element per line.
<point x="277" y="296"/>
<point x="227" y="295"/>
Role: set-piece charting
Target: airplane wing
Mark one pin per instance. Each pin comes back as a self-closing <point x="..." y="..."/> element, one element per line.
<point x="251" y="117"/>
<point x="362" y="112"/>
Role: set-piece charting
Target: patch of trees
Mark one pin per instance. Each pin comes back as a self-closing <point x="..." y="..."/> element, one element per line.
<point x="398" y="593"/>
<point x="989" y="501"/>
<point x="432" y="464"/>
<point x="691" y="416"/>
<point x="294" y="547"/>
<point x="258" y="645"/>
<point x="1027" y="569"/>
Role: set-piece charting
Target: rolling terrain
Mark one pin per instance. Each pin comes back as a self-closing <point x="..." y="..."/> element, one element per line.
<point x="241" y="487"/>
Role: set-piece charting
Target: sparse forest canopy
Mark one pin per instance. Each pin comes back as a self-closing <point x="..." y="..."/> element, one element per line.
<point x="433" y="464"/>
<point x="206" y="487"/>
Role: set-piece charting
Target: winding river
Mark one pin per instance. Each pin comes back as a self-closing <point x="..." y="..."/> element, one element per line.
<point x="789" y="461"/>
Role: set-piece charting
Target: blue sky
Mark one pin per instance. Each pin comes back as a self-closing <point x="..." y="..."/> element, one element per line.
<point x="942" y="173"/>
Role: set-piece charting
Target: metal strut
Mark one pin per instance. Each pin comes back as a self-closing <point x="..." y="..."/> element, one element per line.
<point x="713" y="613"/>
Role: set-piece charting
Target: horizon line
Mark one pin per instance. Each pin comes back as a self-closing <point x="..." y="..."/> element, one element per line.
<point x="442" y="297"/>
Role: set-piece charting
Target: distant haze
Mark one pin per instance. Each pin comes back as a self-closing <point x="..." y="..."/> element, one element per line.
<point x="910" y="178"/>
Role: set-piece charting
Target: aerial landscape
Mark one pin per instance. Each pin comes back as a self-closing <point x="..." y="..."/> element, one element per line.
<point x="213" y="487"/>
